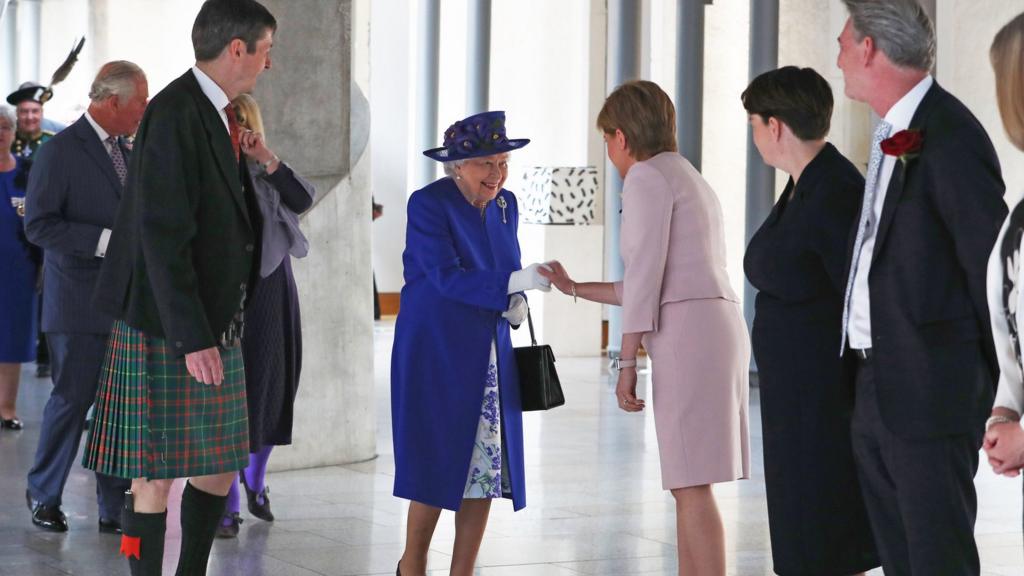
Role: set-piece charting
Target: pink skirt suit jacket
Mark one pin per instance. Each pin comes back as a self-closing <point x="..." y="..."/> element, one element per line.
<point x="676" y="291"/>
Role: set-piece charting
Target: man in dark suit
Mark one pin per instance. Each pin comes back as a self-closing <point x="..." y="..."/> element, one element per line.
<point x="70" y="206"/>
<point x="915" y="314"/>
<point x="178" y="268"/>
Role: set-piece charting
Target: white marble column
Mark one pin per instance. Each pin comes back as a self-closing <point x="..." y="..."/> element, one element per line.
<point x="26" y="16"/>
<point x="8" y="49"/>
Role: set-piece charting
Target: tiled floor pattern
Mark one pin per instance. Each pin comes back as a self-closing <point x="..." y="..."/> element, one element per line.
<point x="595" y="505"/>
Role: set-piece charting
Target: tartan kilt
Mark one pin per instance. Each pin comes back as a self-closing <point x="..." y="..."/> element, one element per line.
<point x="153" y="420"/>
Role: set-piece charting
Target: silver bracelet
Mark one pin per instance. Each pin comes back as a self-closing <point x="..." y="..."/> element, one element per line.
<point x="573" y="292"/>
<point x="992" y="421"/>
<point x="620" y="363"/>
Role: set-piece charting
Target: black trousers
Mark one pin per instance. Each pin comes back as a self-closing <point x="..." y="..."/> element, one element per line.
<point x="919" y="492"/>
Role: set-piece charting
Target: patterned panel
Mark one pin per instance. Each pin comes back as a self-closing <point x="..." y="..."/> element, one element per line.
<point x="559" y="195"/>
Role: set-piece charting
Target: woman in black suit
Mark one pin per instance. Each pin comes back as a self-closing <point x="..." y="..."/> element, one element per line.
<point x="817" y="519"/>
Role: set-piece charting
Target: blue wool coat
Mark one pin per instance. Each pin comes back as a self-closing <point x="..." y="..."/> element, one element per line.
<point x="457" y="267"/>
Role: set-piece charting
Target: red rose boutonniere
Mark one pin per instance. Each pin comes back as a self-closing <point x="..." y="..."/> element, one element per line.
<point x="906" y="144"/>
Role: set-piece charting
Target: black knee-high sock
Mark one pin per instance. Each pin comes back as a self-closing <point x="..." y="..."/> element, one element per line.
<point x="200" y="514"/>
<point x="142" y="539"/>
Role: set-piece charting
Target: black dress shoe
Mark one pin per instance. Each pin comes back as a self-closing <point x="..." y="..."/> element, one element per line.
<point x="11" y="423"/>
<point x="46" y="517"/>
<point x="110" y="526"/>
<point x="229" y="530"/>
<point x="261" y="511"/>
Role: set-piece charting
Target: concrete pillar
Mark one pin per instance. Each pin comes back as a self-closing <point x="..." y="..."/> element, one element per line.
<point x="427" y="133"/>
<point x="478" y="56"/>
<point x="314" y="117"/>
<point x="624" y="49"/>
<point x="690" y="78"/>
<point x="8" y="49"/>
<point x="764" y="56"/>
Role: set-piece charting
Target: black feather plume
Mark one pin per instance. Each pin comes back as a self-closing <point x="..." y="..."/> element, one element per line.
<point x="69" y="63"/>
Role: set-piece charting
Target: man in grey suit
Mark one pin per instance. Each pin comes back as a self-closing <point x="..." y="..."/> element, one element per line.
<point x="72" y="199"/>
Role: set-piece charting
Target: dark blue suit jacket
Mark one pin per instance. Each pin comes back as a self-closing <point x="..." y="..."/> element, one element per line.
<point x="934" y="360"/>
<point x="73" y="194"/>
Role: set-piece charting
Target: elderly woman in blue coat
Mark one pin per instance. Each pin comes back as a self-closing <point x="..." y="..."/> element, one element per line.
<point x="455" y="405"/>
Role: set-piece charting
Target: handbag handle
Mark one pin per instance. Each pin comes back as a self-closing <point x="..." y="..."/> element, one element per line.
<point x="529" y="320"/>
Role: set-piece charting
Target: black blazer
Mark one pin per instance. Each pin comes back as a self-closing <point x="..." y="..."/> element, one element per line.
<point x="73" y="193"/>
<point x="182" y="253"/>
<point x="934" y="361"/>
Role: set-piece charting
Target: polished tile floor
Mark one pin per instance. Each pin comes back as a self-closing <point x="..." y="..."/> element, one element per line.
<point x="595" y="505"/>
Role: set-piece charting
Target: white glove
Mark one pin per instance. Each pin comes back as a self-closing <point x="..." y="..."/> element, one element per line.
<point x="529" y="278"/>
<point x="517" y="310"/>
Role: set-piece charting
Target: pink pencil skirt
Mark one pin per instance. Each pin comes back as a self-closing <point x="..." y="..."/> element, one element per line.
<point x="700" y="359"/>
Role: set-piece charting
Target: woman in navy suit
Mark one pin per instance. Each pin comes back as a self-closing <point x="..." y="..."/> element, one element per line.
<point x="455" y="406"/>
<point x="19" y="271"/>
<point x="816" y="515"/>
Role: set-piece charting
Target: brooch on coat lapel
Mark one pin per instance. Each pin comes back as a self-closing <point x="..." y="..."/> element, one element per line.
<point x="905" y="144"/>
<point x="502" y="204"/>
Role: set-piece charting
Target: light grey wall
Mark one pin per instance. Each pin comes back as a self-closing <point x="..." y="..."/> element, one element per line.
<point x="965" y="29"/>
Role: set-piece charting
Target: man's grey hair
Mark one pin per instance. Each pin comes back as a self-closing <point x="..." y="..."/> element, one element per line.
<point x="7" y="113"/>
<point x="901" y="29"/>
<point x="117" y="78"/>
<point x="449" y="167"/>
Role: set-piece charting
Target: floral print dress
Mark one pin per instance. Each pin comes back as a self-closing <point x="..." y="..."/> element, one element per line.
<point x="485" y="479"/>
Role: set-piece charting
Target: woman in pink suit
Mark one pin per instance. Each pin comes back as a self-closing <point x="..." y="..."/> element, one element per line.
<point x="676" y="300"/>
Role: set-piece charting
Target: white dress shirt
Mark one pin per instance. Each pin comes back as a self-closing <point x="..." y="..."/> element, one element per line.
<point x="101" y="246"/>
<point x="1010" y="393"/>
<point x="899" y="116"/>
<point x="215" y="94"/>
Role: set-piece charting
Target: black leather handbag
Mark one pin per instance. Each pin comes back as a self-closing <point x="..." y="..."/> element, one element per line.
<point x="539" y="387"/>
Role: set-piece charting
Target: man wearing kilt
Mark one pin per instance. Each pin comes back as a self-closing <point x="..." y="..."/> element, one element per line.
<point x="180" y="262"/>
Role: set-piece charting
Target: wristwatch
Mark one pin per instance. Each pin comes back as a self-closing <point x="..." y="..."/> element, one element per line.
<point x="267" y="164"/>
<point x="619" y="363"/>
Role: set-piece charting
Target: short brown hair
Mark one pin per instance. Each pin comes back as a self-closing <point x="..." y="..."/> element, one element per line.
<point x="221" y="21"/>
<point x="646" y="116"/>
<point x="1008" y="64"/>
<point x="798" y="97"/>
